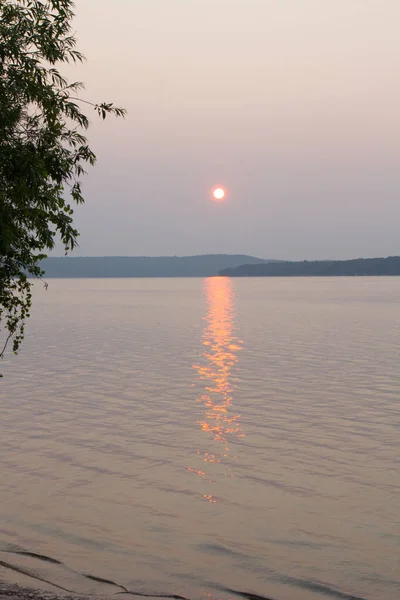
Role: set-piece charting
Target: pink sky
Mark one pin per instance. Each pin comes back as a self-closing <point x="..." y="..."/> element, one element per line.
<point x="291" y="104"/>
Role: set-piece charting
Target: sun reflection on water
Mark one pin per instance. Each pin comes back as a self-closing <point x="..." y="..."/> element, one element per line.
<point x="219" y="357"/>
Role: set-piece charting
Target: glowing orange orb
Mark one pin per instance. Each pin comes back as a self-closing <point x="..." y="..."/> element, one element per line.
<point x="219" y="194"/>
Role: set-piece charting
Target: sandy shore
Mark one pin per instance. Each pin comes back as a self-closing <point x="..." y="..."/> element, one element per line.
<point x="12" y="591"/>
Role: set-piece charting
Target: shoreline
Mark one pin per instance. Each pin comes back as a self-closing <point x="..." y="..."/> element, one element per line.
<point x="14" y="591"/>
<point x="29" y="578"/>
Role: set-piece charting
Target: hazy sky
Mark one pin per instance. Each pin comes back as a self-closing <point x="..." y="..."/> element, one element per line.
<point x="292" y="105"/>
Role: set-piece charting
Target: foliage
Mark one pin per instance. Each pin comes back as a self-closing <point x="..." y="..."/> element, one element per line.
<point x="43" y="147"/>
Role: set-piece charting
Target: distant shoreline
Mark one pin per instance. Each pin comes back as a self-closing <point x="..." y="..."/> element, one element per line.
<point x="359" y="267"/>
<point x="206" y="265"/>
<point x="210" y="265"/>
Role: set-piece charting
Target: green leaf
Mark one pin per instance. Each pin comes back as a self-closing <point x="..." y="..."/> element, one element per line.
<point x="43" y="149"/>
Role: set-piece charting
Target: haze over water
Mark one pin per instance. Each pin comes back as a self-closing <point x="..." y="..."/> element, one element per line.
<point x="199" y="436"/>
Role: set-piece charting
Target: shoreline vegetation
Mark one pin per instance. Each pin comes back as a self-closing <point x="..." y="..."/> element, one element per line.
<point x="359" y="267"/>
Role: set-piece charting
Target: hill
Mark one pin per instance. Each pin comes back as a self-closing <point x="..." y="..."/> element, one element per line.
<point x="318" y="268"/>
<point x="144" y="266"/>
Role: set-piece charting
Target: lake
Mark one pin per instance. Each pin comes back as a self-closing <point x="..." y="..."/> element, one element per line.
<point x="206" y="437"/>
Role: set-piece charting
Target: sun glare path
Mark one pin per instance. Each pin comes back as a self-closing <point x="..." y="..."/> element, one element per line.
<point x="220" y="356"/>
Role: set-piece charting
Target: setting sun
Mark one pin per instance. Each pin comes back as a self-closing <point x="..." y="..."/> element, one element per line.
<point x="218" y="194"/>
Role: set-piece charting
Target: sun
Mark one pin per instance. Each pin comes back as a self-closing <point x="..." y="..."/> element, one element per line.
<point x="218" y="194"/>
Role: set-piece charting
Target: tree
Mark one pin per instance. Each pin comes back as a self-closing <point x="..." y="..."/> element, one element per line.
<point x="43" y="148"/>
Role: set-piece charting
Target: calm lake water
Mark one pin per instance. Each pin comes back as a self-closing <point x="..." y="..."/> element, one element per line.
<point x="201" y="437"/>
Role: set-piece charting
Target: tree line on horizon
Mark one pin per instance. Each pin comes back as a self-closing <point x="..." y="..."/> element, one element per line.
<point x="319" y="268"/>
